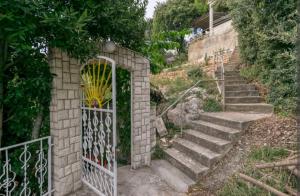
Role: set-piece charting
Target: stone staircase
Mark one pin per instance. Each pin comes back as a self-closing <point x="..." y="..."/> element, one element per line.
<point x="209" y="136"/>
<point x="243" y="97"/>
<point x="206" y="140"/>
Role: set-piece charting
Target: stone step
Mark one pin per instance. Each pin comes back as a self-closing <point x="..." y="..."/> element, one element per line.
<point x="223" y="119"/>
<point x="245" y="99"/>
<point x="213" y="143"/>
<point x="229" y="73"/>
<point x="241" y="87"/>
<point x="231" y="68"/>
<point x="186" y="164"/>
<point x="230" y="78"/>
<point x="241" y="93"/>
<point x="232" y="73"/>
<point x="201" y="154"/>
<point x="235" y="82"/>
<point x="174" y="177"/>
<point x="215" y="130"/>
<point x="250" y="107"/>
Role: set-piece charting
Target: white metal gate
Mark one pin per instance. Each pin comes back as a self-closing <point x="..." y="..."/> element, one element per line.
<point x="98" y="126"/>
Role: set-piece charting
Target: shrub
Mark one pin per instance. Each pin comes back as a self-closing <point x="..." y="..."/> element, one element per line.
<point x="195" y="73"/>
<point x="211" y="105"/>
<point x="267" y="39"/>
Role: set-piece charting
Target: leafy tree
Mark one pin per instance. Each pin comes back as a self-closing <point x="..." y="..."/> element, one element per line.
<point x="202" y="6"/>
<point x="158" y="45"/>
<point x="267" y="38"/>
<point x="175" y="15"/>
<point x="28" y="28"/>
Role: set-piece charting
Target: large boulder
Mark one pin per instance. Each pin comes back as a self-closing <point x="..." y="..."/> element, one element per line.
<point x="174" y="115"/>
<point x="193" y="105"/>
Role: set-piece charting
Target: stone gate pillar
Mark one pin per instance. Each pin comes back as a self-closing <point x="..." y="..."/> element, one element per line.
<point x="64" y="123"/>
<point x="65" y="115"/>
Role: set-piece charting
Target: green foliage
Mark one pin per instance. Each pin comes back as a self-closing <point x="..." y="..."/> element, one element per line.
<point x="221" y="5"/>
<point x="195" y="73"/>
<point x="237" y="187"/>
<point x="177" y="86"/>
<point x="174" y="15"/>
<point x="268" y="154"/>
<point x="211" y="105"/>
<point x="158" y="153"/>
<point x="279" y="178"/>
<point x="267" y="39"/>
<point x="123" y="115"/>
<point x="157" y="46"/>
<point x="121" y="21"/>
<point x="201" y="6"/>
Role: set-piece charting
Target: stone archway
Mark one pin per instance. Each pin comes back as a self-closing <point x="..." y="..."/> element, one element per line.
<point x="65" y="114"/>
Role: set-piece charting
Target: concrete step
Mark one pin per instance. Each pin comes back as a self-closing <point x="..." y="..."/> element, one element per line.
<point x="250" y="107"/>
<point x="241" y="87"/>
<point x="185" y="163"/>
<point x="203" y="155"/>
<point x="215" y="130"/>
<point x="174" y="177"/>
<point x="213" y="143"/>
<point x="245" y="99"/>
<point x="229" y="73"/>
<point x="229" y="78"/>
<point x="234" y="82"/>
<point x="232" y="73"/>
<point x="241" y="93"/>
<point x="223" y="119"/>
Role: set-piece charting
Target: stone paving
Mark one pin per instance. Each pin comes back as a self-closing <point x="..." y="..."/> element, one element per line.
<point x="140" y="182"/>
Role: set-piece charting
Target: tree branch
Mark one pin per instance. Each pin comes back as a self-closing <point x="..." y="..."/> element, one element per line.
<point x="262" y="185"/>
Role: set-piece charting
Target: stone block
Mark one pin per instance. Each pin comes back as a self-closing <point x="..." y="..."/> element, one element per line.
<point x="160" y="127"/>
<point x="68" y="170"/>
<point x="67" y="104"/>
<point x="62" y="94"/>
<point x="71" y="94"/>
<point x="72" y="159"/>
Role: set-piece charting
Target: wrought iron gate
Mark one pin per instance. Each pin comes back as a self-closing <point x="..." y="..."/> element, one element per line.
<point x="25" y="168"/>
<point x="98" y="126"/>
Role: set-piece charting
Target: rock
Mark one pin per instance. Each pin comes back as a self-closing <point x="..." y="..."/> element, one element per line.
<point x="174" y="115"/>
<point x="193" y="106"/>
<point x="197" y="90"/>
<point x="160" y="127"/>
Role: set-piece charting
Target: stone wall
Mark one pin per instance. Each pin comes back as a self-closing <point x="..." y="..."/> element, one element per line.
<point x="153" y="129"/>
<point x="64" y="123"/>
<point x="224" y="37"/>
<point x="65" y="115"/>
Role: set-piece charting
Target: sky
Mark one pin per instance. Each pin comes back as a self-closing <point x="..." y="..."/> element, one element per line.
<point x="150" y="7"/>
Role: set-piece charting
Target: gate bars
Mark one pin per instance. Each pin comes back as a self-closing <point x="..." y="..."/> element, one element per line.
<point x="25" y="168"/>
<point x="98" y="126"/>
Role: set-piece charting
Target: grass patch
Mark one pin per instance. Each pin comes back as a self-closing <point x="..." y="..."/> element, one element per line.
<point x="172" y="129"/>
<point x="277" y="178"/>
<point x="158" y="152"/>
<point x="268" y="154"/>
<point x="211" y="105"/>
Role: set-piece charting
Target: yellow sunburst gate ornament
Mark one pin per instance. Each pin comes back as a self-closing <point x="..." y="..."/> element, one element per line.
<point x="96" y="78"/>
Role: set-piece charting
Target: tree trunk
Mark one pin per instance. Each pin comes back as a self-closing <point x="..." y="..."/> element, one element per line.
<point x="278" y="164"/>
<point x="2" y="64"/>
<point x="37" y="124"/>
